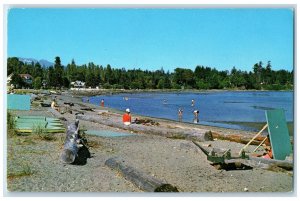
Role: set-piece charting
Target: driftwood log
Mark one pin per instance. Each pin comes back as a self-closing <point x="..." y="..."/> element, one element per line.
<point x="59" y="116"/>
<point x="71" y="145"/>
<point x="181" y="133"/>
<point x="244" y="139"/>
<point x="284" y="164"/>
<point x="254" y="162"/>
<point x="143" y="181"/>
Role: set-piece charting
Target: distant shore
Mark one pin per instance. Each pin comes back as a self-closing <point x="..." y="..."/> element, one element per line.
<point x="93" y="91"/>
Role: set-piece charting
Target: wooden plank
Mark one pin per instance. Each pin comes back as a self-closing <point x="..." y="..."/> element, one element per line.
<point x="265" y="126"/>
<point x="279" y="134"/>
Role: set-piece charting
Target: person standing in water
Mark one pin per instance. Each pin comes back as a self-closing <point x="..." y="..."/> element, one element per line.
<point x="180" y="113"/>
<point x="102" y="103"/>
<point x="193" y="102"/>
<point x="196" y="116"/>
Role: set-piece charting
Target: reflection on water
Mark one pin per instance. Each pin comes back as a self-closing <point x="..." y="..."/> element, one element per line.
<point x="213" y="107"/>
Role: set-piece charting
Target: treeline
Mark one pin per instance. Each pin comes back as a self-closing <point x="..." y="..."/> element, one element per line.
<point x="59" y="76"/>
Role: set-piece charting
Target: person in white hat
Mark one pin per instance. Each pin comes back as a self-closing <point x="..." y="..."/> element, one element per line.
<point x="127" y="117"/>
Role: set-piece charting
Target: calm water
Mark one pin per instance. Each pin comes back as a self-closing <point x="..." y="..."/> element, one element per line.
<point x="216" y="108"/>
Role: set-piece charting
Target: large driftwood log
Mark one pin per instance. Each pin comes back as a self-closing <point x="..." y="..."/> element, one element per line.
<point x="71" y="145"/>
<point x="191" y="134"/>
<point x="238" y="138"/>
<point x="59" y="116"/>
<point x="284" y="164"/>
<point x="255" y="162"/>
<point x="141" y="180"/>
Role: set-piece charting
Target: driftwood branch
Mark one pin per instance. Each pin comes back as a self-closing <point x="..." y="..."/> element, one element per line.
<point x="138" y="178"/>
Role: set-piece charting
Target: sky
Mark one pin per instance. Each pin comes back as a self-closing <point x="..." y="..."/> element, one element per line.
<point x="154" y="38"/>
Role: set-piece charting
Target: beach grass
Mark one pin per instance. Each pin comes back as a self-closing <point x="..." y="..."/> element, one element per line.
<point x="25" y="170"/>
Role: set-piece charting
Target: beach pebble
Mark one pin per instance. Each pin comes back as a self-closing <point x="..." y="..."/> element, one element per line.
<point x="246" y="189"/>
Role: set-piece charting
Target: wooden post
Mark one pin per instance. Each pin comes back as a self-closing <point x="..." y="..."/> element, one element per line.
<point x="260" y="144"/>
<point x="265" y="126"/>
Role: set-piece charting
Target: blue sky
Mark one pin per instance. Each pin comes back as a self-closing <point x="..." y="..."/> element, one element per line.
<point x="154" y="38"/>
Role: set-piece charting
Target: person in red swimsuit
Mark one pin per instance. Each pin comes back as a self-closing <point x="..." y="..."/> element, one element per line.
<point x="127" y="117"/>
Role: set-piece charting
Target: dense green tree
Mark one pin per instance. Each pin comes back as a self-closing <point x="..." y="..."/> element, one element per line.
<point x="17" y="81"/>
<point x="58" y="70"/>
<point x="37" y="83"/>
<point x="201" y="78"/>
<point x="13" y="65"/>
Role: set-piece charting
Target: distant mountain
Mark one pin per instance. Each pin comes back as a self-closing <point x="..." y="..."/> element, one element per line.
<point x="43" y="62"/>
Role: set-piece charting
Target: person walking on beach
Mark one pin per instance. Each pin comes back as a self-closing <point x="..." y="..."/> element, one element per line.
<point x="180" y="113"/>
<point x="102" y="103"/>
<point x="127" y="117"/>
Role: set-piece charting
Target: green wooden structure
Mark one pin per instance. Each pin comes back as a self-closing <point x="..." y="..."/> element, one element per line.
<point x="27" y="124"/>
<point x="18" y="102"/>
<point x="279" y="134"/>
<point x="108" y="133"/>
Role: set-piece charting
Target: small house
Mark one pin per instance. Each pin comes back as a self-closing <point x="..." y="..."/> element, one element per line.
<point x="78" y="84"/>
<point x="27" y="78"/>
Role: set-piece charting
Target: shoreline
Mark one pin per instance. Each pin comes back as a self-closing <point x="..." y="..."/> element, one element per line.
<point x="234" y="125"/>
<point x="87" y="91"/>
<point x="208" y="127"/>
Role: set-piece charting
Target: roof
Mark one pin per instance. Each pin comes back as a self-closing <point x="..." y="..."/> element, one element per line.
<point x="26" y="76"/>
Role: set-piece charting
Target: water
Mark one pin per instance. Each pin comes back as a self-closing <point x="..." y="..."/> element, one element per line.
<point x="216" y="108"/>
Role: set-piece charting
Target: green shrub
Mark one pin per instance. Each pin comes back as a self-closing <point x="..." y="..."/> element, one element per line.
<point x="44" y="135"/>
<point x="25" y="171"/>
<point x="11" y="124"/>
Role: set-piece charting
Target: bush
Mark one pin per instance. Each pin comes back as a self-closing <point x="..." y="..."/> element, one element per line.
<point x="11" y="124"/>
<point x="39" y="131"/>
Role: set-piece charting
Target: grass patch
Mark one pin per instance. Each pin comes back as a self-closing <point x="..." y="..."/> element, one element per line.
<point x="25" y="171"/>
<point x="93" y="144"/>
<point x="11" y="125"/>
<point x="177" y="137"/>
<point x="26" y="141"/>
<point x="42" y="134"/>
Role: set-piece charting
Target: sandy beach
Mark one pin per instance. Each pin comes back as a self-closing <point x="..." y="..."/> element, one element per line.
<point x="34" y="165"/>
